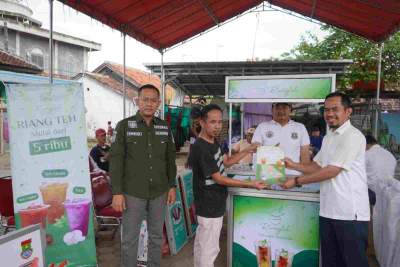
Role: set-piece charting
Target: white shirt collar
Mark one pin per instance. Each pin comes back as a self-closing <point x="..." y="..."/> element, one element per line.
<point x="374" y="146"/>
<point x="275" y="122"/>
<point x="342" y="128"/>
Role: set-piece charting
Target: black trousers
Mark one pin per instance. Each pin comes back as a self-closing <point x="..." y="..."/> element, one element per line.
<point x="343" y="243"/>
<point x="372" y="197"/>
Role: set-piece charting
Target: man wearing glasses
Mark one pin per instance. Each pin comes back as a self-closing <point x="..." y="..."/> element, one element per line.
<point x="143" y="170"/>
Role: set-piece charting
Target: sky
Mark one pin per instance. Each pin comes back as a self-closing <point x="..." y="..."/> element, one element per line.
<point x="255" y="35"/>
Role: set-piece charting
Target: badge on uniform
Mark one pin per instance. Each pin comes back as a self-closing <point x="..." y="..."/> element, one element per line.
<point x="114" y="136"/>
<point x="295" y="135"/>
<point x="161" y="133"/>
<point x="132" y="124"/>
<point x="270" y="134"/>
<point x="134" y="133"/>
<point x="161" y="127"/>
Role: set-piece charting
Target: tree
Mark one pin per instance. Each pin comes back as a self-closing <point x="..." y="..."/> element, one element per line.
<point x="339" y="44"/>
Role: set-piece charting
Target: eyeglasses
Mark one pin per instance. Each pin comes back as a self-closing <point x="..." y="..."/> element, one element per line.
<point x="149" y="100"/>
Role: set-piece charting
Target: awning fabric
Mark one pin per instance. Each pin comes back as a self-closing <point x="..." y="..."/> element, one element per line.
<point x="164" y="23"/>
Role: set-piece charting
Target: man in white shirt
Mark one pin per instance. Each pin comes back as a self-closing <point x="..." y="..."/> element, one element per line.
<point x="340" y="168"/>
<point x="291" y="136"/>
<point x="380" y="164"/>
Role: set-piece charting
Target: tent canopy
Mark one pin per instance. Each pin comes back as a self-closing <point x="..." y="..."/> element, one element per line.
<point x="163" y="23"/>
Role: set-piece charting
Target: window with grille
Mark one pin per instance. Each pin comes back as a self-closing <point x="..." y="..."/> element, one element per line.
<point x="36" y="56"/>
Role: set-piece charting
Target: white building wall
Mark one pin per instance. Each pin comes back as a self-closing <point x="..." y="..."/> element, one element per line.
<point x="103" y="105"/>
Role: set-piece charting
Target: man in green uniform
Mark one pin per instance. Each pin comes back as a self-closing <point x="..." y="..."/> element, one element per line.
<point x="143" y="170"/>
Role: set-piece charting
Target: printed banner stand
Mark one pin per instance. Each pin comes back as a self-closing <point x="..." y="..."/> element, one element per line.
<point x="175" y="224"/>
<point x="23" y="248"/>
<point x="186" y="185"/>
<point x="50" y="170"/>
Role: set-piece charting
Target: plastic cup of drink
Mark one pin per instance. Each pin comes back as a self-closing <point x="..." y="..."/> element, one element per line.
<point x="33" y="215"/>
<point x="283" y="258"/>
<point x="263" y="253"/>
<point x="78" y="211"/>
<point x="54" y="194"/>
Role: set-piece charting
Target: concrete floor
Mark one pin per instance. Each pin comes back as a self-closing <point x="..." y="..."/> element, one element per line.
<point x="109" y="253"/>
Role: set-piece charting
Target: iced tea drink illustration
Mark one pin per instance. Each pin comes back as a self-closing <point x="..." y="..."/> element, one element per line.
<point x="78" y="211"/>
<point x="263" y="253"/>
<point x="54" y="194"/>
<point x="283" y="259"/>
<point x="33" y="215"/>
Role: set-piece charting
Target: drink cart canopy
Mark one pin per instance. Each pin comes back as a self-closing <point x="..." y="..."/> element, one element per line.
<point x="208" y="78"/>
<point x="163" y="23"/>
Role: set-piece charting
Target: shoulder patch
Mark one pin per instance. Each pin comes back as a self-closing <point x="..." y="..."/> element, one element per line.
<point x="132" y="124"/>
<point x="113" y="137"/>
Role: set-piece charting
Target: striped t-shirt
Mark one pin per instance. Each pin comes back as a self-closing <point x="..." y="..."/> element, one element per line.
<point x="206" y="159"/>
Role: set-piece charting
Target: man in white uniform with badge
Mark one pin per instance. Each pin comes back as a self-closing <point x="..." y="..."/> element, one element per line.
<point x="292" y="137"/>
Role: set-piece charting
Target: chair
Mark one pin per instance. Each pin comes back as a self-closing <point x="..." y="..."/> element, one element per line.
<point x="6" y="204"/>
<point x="102" y="199"/>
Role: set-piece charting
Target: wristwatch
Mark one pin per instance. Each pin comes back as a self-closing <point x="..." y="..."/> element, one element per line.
<point x="296" y="181"/>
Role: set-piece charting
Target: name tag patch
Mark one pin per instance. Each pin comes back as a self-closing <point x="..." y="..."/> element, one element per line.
<point x="134" y="133"/>
<point x="161" y="127"/>
<point x="132" y="124"/>
<point x="161" y="133"/>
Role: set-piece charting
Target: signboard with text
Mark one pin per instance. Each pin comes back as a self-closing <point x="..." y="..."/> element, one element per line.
<point x="274" y="232"/>
<point x="49" y="163"/>
<point x="279" y="88"/>
<point x="23" y="247"/>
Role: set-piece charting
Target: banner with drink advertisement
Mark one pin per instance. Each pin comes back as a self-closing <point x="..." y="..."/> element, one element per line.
<point x="175" y="224"/>
<point x="50" y="170"/>
<point x="186" y="184"/>
<point x="272" y="232"/>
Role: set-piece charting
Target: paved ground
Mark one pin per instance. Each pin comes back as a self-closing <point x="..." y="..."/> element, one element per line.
<point x="109" y="254"/>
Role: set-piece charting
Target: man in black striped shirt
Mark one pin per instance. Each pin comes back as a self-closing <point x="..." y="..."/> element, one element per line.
<point x="210" y="184"/>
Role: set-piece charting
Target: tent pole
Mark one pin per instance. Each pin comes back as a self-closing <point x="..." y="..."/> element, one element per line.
<point x="378" y="91"/>
<point x="162" y="85"/>
<point x="230" y="129"/>
<point x="51" y="43"/>
<point x="242" y="120"/>
<point x="124" y="73"/>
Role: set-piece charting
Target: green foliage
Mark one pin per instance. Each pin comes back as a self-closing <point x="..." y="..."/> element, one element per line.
<point x="339" y="44"/>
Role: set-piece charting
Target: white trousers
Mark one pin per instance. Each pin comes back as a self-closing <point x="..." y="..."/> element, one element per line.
<point x="206" y="242"/>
